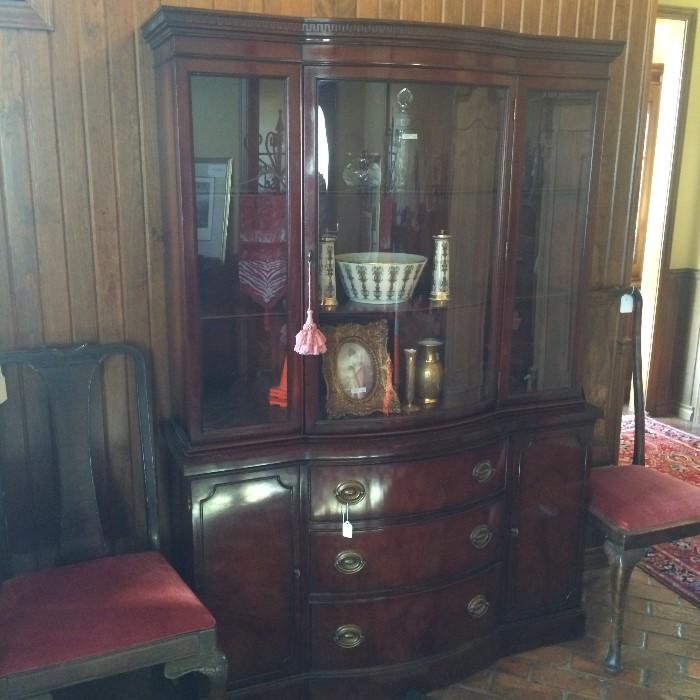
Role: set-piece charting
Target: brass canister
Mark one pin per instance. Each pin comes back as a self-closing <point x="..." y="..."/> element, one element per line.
<point x="430" y="372"/>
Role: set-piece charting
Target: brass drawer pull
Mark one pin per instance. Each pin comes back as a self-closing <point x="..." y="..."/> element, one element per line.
<point x="478" y="606"/>
<point x="483" y="471"/>
<point x="348" y="636"/>
<point x="349" y="562"/>
<point x="350" y="492"/>
<point x="481" y="536"/>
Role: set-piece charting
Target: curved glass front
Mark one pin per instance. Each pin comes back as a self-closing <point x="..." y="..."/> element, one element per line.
<point x="409" y="194"/>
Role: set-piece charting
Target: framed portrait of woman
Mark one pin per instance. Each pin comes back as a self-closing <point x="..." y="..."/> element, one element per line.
<point x="357" y="370"/>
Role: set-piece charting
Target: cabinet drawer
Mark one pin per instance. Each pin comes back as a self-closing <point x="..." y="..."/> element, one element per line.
<point x="391" y="630"/>
<point x="407" y="487"/>
<point x="409" y="554"/>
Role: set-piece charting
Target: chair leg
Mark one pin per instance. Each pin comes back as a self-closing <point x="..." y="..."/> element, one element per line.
<point x="621" y="564"/>
<point x="213" y="665"/>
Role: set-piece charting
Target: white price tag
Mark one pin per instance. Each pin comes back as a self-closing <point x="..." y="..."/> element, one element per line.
<point x="347" y="525"/>
<point x="626" y="304"/>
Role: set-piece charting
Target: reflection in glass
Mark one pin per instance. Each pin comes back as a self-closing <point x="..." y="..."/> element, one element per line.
<point x="394" y="181"/>
<point x="240" y="187"/>
<point x="555" y="181"/>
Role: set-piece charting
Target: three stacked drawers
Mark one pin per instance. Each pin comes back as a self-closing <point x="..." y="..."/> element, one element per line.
<point x="421" y="572"/>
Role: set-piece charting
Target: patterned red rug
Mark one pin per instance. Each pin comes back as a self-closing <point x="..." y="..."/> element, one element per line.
<point x="672" y="451"/>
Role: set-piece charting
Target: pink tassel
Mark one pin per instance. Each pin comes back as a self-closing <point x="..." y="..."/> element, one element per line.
<point x="310" y="339"/>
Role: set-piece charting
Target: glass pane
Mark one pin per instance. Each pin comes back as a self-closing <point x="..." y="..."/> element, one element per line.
<point x="555" y="184"/>
<point x="407" y="224"/>
<point x="240" y="137"/>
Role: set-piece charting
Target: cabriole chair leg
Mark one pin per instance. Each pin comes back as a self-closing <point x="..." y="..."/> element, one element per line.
<point x="212" y="665"/>
<point x="621" y="564"/>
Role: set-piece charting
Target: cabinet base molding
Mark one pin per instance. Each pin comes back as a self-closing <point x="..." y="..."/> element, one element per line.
<point x="427" y="674"/>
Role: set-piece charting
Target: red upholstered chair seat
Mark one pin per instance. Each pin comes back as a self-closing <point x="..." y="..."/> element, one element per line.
<point x="96" y="607"/>
<point x="636" y="499"/>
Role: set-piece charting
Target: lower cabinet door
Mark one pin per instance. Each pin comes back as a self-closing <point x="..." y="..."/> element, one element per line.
<point x="246" y="547"/>
<point x="547" y="522"/>
<point x="385" y="630"/>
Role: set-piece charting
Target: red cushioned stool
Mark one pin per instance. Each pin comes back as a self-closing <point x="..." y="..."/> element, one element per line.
<point x="99" y="615"/>
<point x="636" y="507"/>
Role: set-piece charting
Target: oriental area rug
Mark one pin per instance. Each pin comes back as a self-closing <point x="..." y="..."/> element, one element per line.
<point x="674" y="452"/>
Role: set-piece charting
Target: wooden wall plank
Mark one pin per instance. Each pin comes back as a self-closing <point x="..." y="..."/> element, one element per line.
<point x="7" y="306"/>
<point x="128" y="173"/>
<point x="549" y="17"/>
<point x="493" y="13"/>
<point x="411" y="10"/>
<point x="229" y="5"/>
<point x="323" y="8"/>
<point x="367" y="8"/>
<point x="604" y="20"/>
<point x="453" y="11"/>
<point x="45" y="184"/>
<point x="513" y="15"/>
<point x="17" y="194"/>
<point x="474" y="12"/>
<point x="586" y="19"/>
<point x="101" y="182"/>
<point x="390" y="9"/>
<point x="432" y="10"/>
<point x="621" y="19"/>
<point x="568" y="17"/>
<point x="70" y="129"/>
<point x="152" y="222"/>
<point x="531" y="16"/>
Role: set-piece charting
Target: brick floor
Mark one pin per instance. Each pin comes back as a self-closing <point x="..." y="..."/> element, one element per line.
<point x="661" y="654"/>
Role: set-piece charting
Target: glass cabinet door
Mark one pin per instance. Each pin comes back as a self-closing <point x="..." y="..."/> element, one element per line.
<point x="555" y="183"/>
<point x="240" y="137"/>
<point x="408" y="177"/>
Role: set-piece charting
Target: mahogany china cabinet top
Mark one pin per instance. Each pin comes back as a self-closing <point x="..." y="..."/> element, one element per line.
<point x="178" y="31"/>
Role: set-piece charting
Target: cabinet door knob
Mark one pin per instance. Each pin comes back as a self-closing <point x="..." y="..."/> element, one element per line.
<point x="350" y="492"/>
<point x="349" y="562"/>
<point x="480" y="536"/>
<point x="478" y="606"/>
<point x="483" y="471"/>
<point x="348" y="636"/>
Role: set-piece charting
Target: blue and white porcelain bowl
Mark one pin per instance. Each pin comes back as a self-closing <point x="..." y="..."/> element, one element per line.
<point x="380" y="278"/>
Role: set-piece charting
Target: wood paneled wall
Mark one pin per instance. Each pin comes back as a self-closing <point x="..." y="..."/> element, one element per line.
<point x="81" y="241"/>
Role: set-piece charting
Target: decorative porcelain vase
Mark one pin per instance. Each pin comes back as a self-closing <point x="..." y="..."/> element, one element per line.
<point x="326" y="271"/>
<point x="410" y="357"/>
<point x="440" y="292"/>
<point x="430" y="372"/>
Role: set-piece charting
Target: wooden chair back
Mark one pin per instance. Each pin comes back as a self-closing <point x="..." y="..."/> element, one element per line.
<point x="69" y="375"/>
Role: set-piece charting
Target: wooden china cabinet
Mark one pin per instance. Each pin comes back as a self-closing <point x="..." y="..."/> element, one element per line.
<point x="430" y="187"/>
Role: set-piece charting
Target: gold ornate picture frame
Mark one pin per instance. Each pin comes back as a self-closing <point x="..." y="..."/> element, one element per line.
<point x="357" y="370"/>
